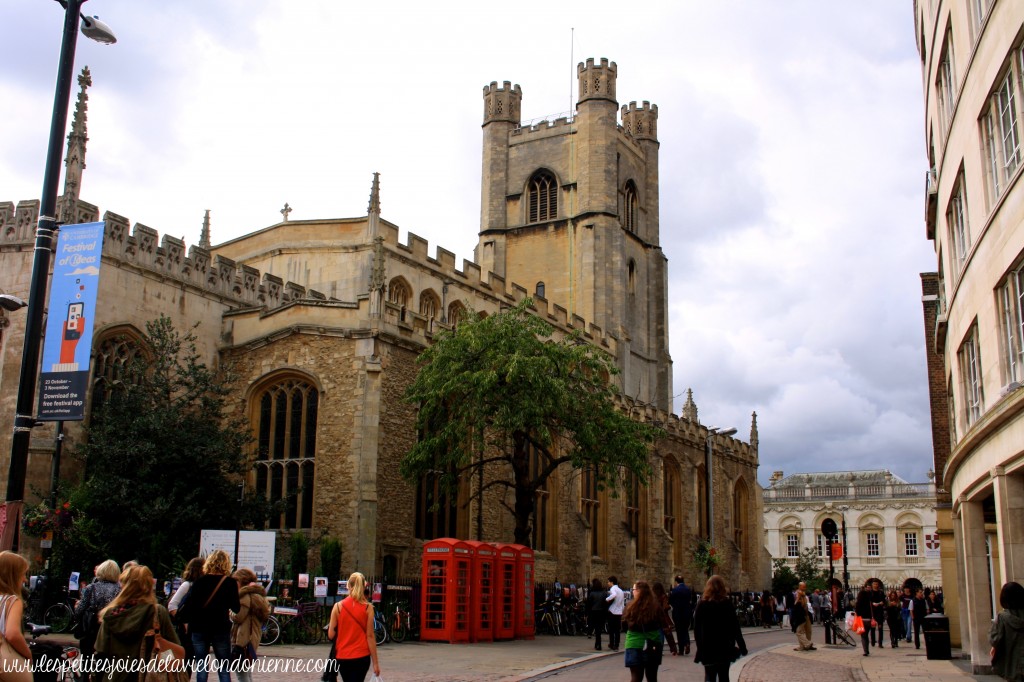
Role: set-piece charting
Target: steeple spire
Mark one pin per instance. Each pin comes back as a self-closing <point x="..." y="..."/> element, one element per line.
<point x="690" y="407"/>
<point x="204" y="236"/>
<point x="74" y="162"/>
<point x="753" y="431"/>
<point x="377" y="269"/>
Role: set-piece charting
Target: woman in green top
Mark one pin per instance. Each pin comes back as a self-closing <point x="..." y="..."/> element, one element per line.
<point x="643" y="620"/>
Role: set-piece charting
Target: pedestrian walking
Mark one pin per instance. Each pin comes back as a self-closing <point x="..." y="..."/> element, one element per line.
<point x="247" y="622"/>
<point x="767" y="610"/>
<point x="918" y="611"/>
<point x="351" y="628"/>
<point x="905" y="600"/>
<point x="616" y="602"/>
<point x="716" y="632"/>
<point x="205" y="613"/>
<point x="1007" y="634"/>
<point x="667" y="626"/>
<point x="780" y="609"/>
<point x="862" y="607"/>
<point x="934" y="603"/>
<point x="800" y="619"/>
<point x="644" y="622"/>
<point x="815" y="599"/>
<point x="193" y="571"/>
<point x="597" y="608"/>
<point x="894" y="619"/>
<point x="15" y="656"/>
<point x="877" y="613"/>
<point x="127" y="626"/>
<point x="680" y="599"/>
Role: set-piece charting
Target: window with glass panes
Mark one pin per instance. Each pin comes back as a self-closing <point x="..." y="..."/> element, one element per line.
<point x="1011" y="307"/>
<point x="956" y="221"/>
<point x="821" y="545"/>
<point x="910" y="543"/>
<point x="792" y="546"/>
<point x="970" y="377"/>
<point x="872" y="543"/>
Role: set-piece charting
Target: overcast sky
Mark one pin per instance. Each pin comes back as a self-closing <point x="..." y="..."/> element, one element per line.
<point x="792" y="166"/>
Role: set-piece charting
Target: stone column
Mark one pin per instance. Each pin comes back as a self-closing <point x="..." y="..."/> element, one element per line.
<point x="976" y="597"/>
<point x="366" y="449"/>
<point x="1009" y="499"/>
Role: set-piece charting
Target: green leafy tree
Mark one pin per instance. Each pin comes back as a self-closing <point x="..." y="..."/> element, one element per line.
<point x="162" y="460"/>
<point x="498" y="387"/>
<point x="783" y="577"/>
<point x="809" y="570"/>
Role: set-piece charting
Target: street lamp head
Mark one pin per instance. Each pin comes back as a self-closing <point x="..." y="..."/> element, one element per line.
<point x="95" y="29"/>
<point x="728" y="432"/>
<point x="11" y="303"/>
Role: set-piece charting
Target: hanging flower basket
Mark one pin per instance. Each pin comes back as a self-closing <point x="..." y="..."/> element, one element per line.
<point x="706" y="558"/>
<point x="41" y="519"/>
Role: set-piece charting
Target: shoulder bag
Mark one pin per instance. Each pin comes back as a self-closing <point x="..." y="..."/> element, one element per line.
<point x="166" y="661"/>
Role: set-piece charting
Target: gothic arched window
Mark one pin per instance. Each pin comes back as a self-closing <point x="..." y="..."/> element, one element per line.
<point x="740" y="521"/>
<point x="629" y="208"/>
<point x="672" y="495"/>
<point x="399" y="292"/>
<point x="118" y="357"/>
<point x="456" y="313"/>
<point x="636" y="513"/>
<point x="430" y="304"/>
<point x="542" y="197"/>
<point x="285" y="418"/>
<point x="700" y="481"/>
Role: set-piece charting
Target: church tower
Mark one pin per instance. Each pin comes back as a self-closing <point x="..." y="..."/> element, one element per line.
<point x="569" y="210"/>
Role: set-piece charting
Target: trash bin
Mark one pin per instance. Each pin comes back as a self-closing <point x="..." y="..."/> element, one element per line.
<point x="936" y="637"/>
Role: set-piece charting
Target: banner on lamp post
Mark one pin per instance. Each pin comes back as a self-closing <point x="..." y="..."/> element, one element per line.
<point x="64" y="378"/>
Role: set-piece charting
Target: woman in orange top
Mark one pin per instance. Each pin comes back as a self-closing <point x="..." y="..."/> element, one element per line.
<point x="351" y="629"/>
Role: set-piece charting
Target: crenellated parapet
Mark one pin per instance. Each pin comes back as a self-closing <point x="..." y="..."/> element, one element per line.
<point x="502" y="104"/>
<point x="596" y="81"/>
<point x="542" y="128"/>
<point x="641" y="122"/>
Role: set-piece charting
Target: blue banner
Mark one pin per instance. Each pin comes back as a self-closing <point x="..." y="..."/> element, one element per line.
<point x="64" y="378"/>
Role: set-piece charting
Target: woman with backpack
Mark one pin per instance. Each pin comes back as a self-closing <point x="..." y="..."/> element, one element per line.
<point x="247" y="628"/>
<point x="193" y="571"/>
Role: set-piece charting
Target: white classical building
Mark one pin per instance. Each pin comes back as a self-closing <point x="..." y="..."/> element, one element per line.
<point x="890" y="523"/>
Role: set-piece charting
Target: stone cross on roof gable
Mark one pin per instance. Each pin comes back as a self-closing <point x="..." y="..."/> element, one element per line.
<point x="286" y="210"/>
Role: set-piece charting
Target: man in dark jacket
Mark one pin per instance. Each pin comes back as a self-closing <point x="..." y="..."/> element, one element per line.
<point x="680" y="599"/>
<point x="862" y="608"/>
<point x="918" y="610"/>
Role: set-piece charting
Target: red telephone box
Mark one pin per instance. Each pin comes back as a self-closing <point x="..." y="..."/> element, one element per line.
<point x="505" y="597"/>
<point x="481" y="623"/>
<point x="447" y="564"/>
<point x="525" y="627"/>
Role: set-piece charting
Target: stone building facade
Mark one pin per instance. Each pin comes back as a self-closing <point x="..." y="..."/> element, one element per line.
<point x="972" y="62"/>
<point x="322" y="322"/>
<point x="890" y="524"/>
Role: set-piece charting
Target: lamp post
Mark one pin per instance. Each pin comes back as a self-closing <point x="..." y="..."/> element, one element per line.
<point x="47" y="226"/>
<point x="709" y="496"/>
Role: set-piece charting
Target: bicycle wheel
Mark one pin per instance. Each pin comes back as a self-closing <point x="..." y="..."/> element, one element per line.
<point x="58" y="617"/>
<point x="271" y="631"/>
<point x="398" y="629"/>
<point x="380" y="630"/>
<point x="841" y="635"/>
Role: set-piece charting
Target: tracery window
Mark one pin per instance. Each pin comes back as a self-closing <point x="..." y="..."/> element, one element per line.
<point x="437" y="513"/>
<point x="285" y="424"/>
<point x="629" y="208"/>
<point x="701" y="484"/>
<point x="542" y="197"/>
<point x="456" y="313"/>
<point x="116" y="357"/>
<point x="590" y="507"/>
<point x="672" y="495"/>
<point x="430" y="304"/>
<point x="543" y="512"/>
<point x="635" y="513"/>
<point x="740" y="514"/>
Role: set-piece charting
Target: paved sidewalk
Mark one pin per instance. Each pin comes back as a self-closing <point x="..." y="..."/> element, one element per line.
<point x="846" y="664"/>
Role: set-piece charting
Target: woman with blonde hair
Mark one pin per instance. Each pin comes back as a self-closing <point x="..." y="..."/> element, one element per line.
<point x="247" y="628"/>
<point x="351" y="628"/>
<point x="125" y="621"/>
<point x="16" y="656"/>
<point x="206" y="615"/>
<point x="95" y="597"/>
<point x="716" y="630"/>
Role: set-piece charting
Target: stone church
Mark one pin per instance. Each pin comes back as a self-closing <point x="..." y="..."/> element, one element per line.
<point x="322" y="321"/>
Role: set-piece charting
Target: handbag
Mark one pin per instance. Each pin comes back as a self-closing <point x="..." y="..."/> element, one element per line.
<point x="166" y="662"/>
<point x="858" y="625"/>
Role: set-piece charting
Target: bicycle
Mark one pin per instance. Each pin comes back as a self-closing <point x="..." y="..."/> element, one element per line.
<point x="63" y="662"/>
<point x="400" y="624"/>
<point x="298" y="624"/>
<point x="380" y="628"/>
<point x="546" y="619"/>
<point x="271" y="631"/>
<point x="61" y="615"/>
<point x="839" y="633"/>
